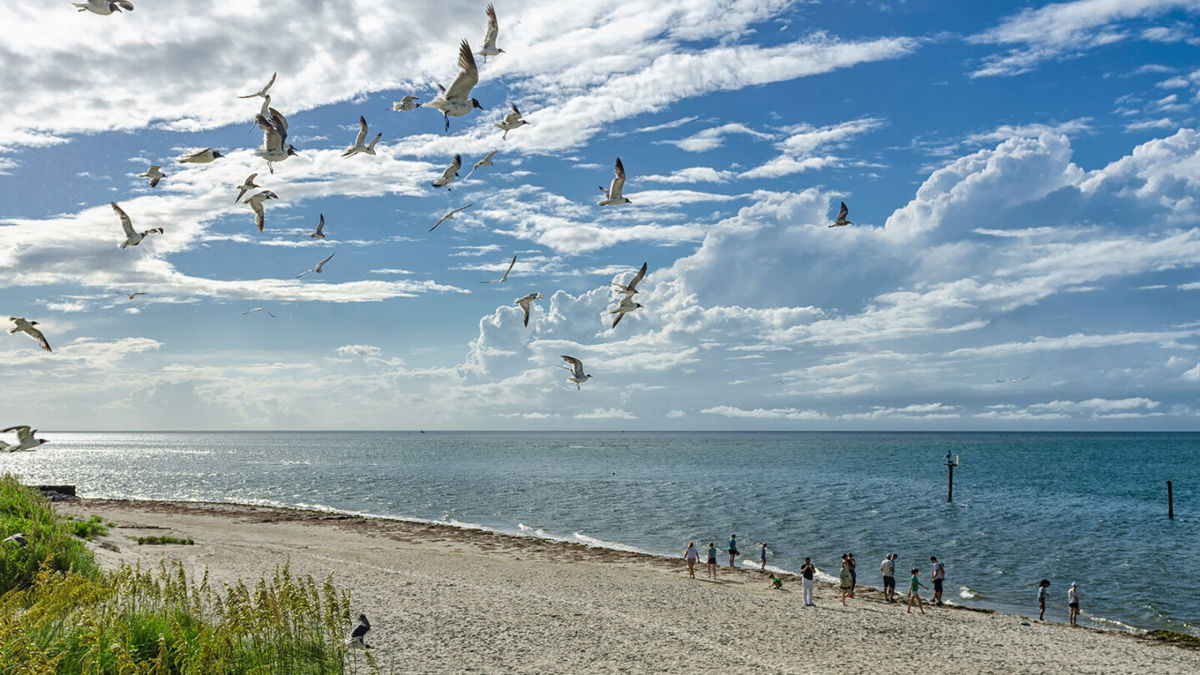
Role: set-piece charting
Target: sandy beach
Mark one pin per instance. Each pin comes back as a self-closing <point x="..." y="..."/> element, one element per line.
<point x="445" y="599"/>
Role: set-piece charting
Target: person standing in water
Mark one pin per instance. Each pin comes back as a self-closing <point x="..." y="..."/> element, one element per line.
<point x="691" y="555"/>
<point x="939" y="577"/>
<point x="762" y="555"/>
<point x="888" y="569"/>
<point x="806" y="578"/>
<point x="712" y="560"/>
<point x="733" y="549"/>
<point x="1042" y="595"/>
<point x="1073" y="604"/>
<point x="914" y="582"/>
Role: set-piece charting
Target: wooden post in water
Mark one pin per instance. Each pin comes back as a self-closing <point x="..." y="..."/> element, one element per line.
<point x="950" y="464"/>
<point x="1170" y="502"/>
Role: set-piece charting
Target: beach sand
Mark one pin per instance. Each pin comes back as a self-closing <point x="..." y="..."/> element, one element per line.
<point x="446" y="599"/>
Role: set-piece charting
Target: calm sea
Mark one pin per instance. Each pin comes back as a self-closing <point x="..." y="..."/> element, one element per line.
<point x="1089" y="508"/>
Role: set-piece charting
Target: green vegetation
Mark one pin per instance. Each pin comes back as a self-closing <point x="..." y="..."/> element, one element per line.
<point x="1173" y="636"/>
<point x="59" y="613"/>
<point x="163" y="540"/>
<point x="87" y="529"/>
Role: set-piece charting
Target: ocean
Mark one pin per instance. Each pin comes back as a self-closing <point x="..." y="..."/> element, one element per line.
<point x="1088" y="508"/>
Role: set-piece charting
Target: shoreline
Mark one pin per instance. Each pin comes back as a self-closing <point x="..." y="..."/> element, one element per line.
<point x="548" y="604"/>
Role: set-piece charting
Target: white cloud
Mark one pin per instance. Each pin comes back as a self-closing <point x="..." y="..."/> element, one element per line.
<point x="714" y="137"/>
<point x="692" y="174"/>
<point x="764" y="413"/>
<point x="606" y="414"/>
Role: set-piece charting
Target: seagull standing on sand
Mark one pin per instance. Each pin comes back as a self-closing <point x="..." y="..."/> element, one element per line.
<point x="450" y="173"/>
<point x="319" y="268"/>
<point x="489" y="38"/>
<point x="505" y="277"/>
<point x="18" y="539"/>
<point x="258" y="309"/>
<point x="320" y="233"/>
<point x="456" y="100"/>
<point x="263" y="92"/>
<point x="20" y="325"/>
<point x="486" y="161"/>
<point x="358" y="141"/>
<point x="525" y="302"/>
<point x="612" y="195"/>
<point x="512" y="120"/>
<point x="630" y="288"/>
<point x="104" y="7"/>
<point x="200" y="157"/>
<point x="576" y="368"/>
<point x="449" y="215"/>
<point x="154" y="174"/>
<point x="405" y="104"/>
<point x="246" y="185"/>
<point x="25" y="439"/>
<point x="359" y="634"/>
<point x="275" y="147"/>
<point x="627" y="305"/>
<point x="841" y="219"/>
<point x="132" y="238"/>
<point x="256" y="204"/>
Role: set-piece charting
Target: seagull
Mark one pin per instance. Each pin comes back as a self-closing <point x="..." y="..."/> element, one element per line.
<point x="104" y="7"/>
<point x="256" y="203"/>
<point x="18" y="539"/>
<point x="630" y="288"/>
<point x="841" y="219"/>
<point x="450" y="172"/>
<point x="362" y="136"/>
<point x="27" y="327"/>
<point x="153" y="174"/>
<point x="1013" y="379"/>
<point x="275" y="130"/>
<point x="525" y="302"/>
<point x="489" y="38"/>
<point x="132" y="238"/>
<point x="455" y="100"/>
<point x="449" y="215"/>
<point x="505" y="277"/>
<point x="613" y="194"/>
<point x="134" y="295"/>
<point x="627" y="305"/>
<point x="512" y="120"/>
<point x="259" y="309"/>
<point x="262" y="92"/>
<point x="319" y="268"/>
<point x="200" y="157"/>
<point x="486" y="161"/>
<point x="359" y="634"/>
<point x="25" y="439"/>
<point x="405" y="104"/>
<point x="320" y="233"/>
<point x="246" y="185"/>
<point x="576" y="368"/>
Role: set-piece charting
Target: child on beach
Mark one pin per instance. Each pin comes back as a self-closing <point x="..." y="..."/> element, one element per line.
<point x="762" y="555"/>
<point x="914" y="582"/>
<point x="846" y="583"/>
<point x="1042" y="595"/>
<point x="776" y="582"/>
<point x="691" y="555"/>
<point x="712" y="560"/>
<point x="1073" y="604"/>
<point x="806" y="578"/>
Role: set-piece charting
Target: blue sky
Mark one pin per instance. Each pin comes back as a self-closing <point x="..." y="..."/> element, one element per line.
<point x="1022" y="179"/>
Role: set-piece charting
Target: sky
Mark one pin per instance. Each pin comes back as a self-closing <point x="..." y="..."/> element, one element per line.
<point x="1022" y="179"/>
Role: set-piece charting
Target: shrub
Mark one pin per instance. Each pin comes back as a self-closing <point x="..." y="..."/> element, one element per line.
<point x="163" y="540"/>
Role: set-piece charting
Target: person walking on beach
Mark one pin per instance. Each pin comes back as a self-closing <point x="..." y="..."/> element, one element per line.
<point x="939" y="577"/>
<point x="806" y="579"/>
<point x="691" y="555"/>
<point x="914" y="582"/>
<point x="888" y="569"/>
<point x="733" y="549"/>
<point x="1042" y="595"/>
<point x="762" y="555"/>
<point x="844" y="581"/>
<point x="712" y="560"/>
<point x="1073" y="604"/>
<point x="853" y="565"/>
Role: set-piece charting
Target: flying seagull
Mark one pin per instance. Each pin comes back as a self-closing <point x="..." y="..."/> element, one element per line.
<point x="246" y="185"/>
<point x="362" y="136"/>
<point x="320" y="233"/>
<point x="275" y="130"/>
<point x="449" y="215"/>
<point x="405" y="104"/>
<point x="525" y="302"/>
<point x="627" y="305"/>
<point x="319" y="268"/>
<point x="449" y="174"/>
<point x="630" y="288"/>
<point x="456" y="100"/>
<point x="134" y="294"/>
<point x="359" y="634"/>
<point x="20" y="325"/>
<point x="200" y="157"/>
<point x="256" y="203"/>
<point x="489" y="38"/>
<point x="259" y="309"/>
<point x="154" y="174"/>
<point x="104" y="7"/>
<point x="486" y="161"/>
<point x="18" y="539"/>
<point x="262" y="92"/>
<point x="25" y="439"/>
<point x="612" y="195"/>
<point x="576" y="367"/>
<point x="512" y="120"/>
<point x="505" y="277"/>
<point x="132" y="238"/>
<point x="841" y="219"/>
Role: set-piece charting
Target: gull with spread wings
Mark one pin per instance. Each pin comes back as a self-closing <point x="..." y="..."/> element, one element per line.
<point x="21" y="325"/>
<point x="576" y="367"/>
<point x="456" y="101"/>
<point x="612" y="195"/>
<point x="505" y="277"/>
<point x="449" y="215"/>
<point x="358" y="141"/>
<point x="319" y="268"/>
<point x="132" y="238"/>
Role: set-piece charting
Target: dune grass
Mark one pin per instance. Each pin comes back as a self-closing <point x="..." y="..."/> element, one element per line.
<point x="164" y="540"/>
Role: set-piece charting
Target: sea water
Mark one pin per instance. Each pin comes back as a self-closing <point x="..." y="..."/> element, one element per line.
<point x="1088" y="508"/>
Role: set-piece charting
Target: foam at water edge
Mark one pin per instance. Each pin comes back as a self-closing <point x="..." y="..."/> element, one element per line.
<point x="600" y="543"/>
<point x="1112" y="622"/>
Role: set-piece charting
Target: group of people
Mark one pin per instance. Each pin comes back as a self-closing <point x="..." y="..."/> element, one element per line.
<point x="1072" y="601"/>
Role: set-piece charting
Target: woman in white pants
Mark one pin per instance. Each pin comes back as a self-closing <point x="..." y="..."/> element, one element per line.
<point x="806" y="576"/>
